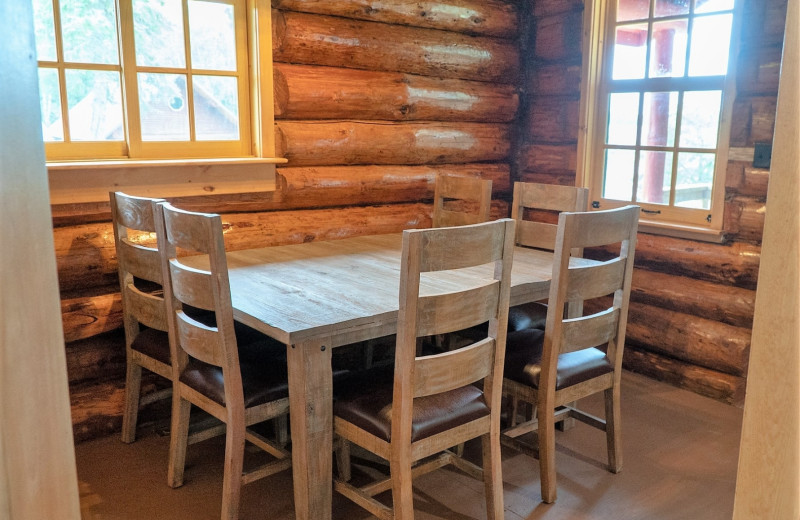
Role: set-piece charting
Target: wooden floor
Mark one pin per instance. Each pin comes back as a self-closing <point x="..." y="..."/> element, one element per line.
<point x="680" y="453"/>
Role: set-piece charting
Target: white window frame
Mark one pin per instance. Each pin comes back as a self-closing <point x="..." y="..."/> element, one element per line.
<point x="87" y="177"/>
<point x="598" y="41"/>
<point x="252" y="22"/>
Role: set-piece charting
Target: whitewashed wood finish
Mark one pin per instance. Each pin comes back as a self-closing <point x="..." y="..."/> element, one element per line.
<point x="325" y="294"/>
<point x="38" y="478"/>
<point x="565" y="333"/>
<point x="769" y="458"/>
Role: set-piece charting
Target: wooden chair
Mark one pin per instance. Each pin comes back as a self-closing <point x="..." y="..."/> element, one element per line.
<point x="459" y="201"/>
<point x="576" y="356"/>
<point x="209" y="369"/>
<point x="430" y="403"/>
<point x="143" y="310"/>
<point x="535" y="207"/>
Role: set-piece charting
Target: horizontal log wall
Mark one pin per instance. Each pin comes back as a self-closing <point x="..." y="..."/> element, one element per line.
<point x="692" y="302"/>
<point x="373" y="100"/>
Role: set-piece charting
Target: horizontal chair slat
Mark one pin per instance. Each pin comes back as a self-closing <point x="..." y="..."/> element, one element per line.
<point x="141" y="261"/>
<point x="464" y="246"/>
<point x="593" y="281"/>
<point x="199" y="341"/>
<point x="589" y="331"/>
<point x="435" y="313"/>
<point x="454" y="369"/>
<point x="191" y="286"/>
<point x="149" y="309"/>
<point x="536" y="234"/>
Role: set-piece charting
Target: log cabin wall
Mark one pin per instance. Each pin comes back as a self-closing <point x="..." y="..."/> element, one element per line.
<point x="371" y="103"/>
<point x="692" y="302"/>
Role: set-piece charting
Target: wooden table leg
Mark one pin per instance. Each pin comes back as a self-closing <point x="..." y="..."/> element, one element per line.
<point x="311" y="415"/>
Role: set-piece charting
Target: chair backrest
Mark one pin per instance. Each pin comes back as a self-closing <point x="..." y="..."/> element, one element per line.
<point x="427" y="252"/>
<point x="607" y="284"/>
<point x="139" y="263"/>
<point x="460" y="201"/>
<point x="198" y="300"/>
<point x="535" y="208"/>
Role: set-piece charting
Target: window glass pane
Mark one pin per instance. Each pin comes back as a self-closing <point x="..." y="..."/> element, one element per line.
<point x="158" y="29"/>
<point x="671" y="7"/>
<point x="618" y="178"/>
<point x="50" y="100"/>
<point x="633" y="10"/>
<point x="630" y="52"/>
<point x="45" y="30"/>
<point x="212" y="36"/>
<point x="659" y="112"/>
<point x="711" y="36"/>
<point x="162" y="107"/>
<point x="693" y="181"/>
<point x="216" y="108"/>
<point x="623" y="111"/>
<point x="700" y="121"/>
<point x="94" y="100"/>
<point x="668" y="49"/>
<point x="655" y="176"/>
<point x="712" y="6"/>
<point x="89" y="31"/>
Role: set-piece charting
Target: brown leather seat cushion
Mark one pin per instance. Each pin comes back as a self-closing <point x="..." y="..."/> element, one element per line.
<point x="527" y="316"/>
<point x="153" y="343"/>
<point x="366" y="401"/>
<point x="524" y="357"/>
<point x="261" y="382"/>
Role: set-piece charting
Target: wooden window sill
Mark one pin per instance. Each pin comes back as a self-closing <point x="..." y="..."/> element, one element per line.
<point x="77" y="182"/>
<point x="682" y="231"/>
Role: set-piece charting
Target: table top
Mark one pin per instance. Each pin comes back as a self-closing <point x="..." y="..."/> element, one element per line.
<point x="348" y="290"/>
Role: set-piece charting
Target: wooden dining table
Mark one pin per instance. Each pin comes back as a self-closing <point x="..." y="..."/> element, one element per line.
<point x="317" y="296"/>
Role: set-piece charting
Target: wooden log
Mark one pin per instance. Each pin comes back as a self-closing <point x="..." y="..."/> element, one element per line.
<point x="487" y="17"/>
<point x="744" y="218"/>
<point x="97" y="406"/>
<point x="557" y="79"/>
<point x="328" y="40"/>
<point x="549" y="158"/>
<point x="702" y="342"/>
<point x="707" y="300"/>
<point x="733" y="264"/>
<point x="701" y="380"/>
<point x="86" y="255"/>
<point x="325" y="143"/>
<point x="550" y="7"/>
<point x="558" y="37"/>
<point x="319" y="186"/>
<point x="753" y="120"/>
<point x="758" y="71"/>
<point x="312" y="92"/>
<point x="743" y="179"/>
<point x="99" y="357"/>
<point x="561" y="179"/>
<point x="327" y="186"/>
<point x="87" y="316"/>
<point x="553" y="119"/>
<point x="765" y="22"/>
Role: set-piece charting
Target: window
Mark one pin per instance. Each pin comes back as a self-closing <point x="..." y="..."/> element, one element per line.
<point x="144" y="79"/>
<point x="663" y="93"/>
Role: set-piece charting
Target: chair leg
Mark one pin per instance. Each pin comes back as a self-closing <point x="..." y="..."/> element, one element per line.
<point x="547" y="453"/>
<point x="492" y="475"/>
<point x="343" y="460"/>
<point x="613" y="429"/>
<point x="281" y="425"/>
<point x="178" y="439"/>
<point x="130" y="413"/>
<point x="234" y="464"/>
<point x="402" y="491"/>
